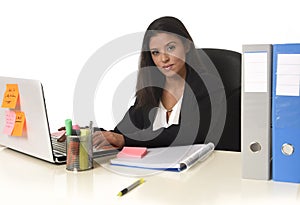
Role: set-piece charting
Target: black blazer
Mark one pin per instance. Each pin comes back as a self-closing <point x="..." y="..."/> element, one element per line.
<point x="194" y="123"/>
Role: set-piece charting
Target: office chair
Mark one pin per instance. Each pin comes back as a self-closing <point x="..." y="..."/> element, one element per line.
<point x="228" y="64"/>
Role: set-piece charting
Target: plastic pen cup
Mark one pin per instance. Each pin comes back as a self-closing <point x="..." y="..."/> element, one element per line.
<point x="80" y="151"/>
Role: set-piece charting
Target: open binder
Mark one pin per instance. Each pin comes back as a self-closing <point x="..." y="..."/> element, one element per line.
<point x="177" y="158"/>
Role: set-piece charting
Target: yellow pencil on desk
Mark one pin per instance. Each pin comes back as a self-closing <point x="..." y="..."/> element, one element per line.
<point x="132" y="186"/>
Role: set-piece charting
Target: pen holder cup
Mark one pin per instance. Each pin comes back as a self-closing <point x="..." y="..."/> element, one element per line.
<point x="79" y="153"/>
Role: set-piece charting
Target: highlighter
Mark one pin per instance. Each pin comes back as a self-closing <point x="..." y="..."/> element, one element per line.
<point x="84" y="149"/>
<point x="68" y="124"/>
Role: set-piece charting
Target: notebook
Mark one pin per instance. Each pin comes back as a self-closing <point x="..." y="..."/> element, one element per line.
<point x="35" y="139"/>
<point x="176" y="158"/>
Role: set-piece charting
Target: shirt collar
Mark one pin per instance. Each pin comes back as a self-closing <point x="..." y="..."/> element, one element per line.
<point x="160" y="118"/>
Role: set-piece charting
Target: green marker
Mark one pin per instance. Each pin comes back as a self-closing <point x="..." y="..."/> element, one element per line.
<point x="68" y="124"/>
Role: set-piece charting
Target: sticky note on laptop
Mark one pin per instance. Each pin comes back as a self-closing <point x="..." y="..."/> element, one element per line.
<point x="10" y="97"/>
<point x="19" y="124"/>
<point x="132" y="152"/>
<point x="10" y="118"/>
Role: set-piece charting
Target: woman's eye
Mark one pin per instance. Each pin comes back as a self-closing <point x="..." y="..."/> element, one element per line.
<point x="154" y="53"/>
<point x="170" y="47"/>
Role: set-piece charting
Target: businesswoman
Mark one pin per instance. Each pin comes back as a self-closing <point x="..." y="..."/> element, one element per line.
<point x="173" y="104"/>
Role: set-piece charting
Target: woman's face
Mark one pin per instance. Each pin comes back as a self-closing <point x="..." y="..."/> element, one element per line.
<point x="168" y="53"/>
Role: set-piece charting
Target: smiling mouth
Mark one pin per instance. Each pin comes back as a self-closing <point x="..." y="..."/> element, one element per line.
<point x="168" y="67"/>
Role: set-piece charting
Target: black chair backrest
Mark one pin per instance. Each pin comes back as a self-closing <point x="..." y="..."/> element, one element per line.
<point x="228" y="64"/>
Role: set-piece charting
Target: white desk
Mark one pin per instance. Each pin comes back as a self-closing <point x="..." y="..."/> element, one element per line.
<point x="26" y="180"/>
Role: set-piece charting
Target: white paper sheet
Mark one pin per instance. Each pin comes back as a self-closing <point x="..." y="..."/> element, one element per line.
<point x="288" y="74"/>
<point x="255" y="68"/>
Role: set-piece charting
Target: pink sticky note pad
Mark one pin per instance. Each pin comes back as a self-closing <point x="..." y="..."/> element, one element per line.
<point x="132" y="152"/>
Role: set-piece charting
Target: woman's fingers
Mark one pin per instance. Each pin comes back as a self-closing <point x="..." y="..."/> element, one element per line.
<point x="98" y="138"/>
<point x="61" y="128"/>
<point x="104" y="138"/>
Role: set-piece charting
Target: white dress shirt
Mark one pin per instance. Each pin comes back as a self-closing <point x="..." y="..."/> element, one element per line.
<point x="161" y="119"/>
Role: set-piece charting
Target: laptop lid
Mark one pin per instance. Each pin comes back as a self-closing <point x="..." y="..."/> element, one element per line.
<point x="35" y="138"/>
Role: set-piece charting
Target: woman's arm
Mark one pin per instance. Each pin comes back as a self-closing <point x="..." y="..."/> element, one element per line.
<point x="136" y="126"/>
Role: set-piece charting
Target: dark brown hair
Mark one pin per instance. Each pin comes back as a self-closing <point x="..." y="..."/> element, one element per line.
<point x="150" y="80"/>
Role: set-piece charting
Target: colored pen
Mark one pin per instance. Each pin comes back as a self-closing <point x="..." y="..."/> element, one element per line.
<point x="132" y="186"/>
<point x="91" y="128"/>
<point x="68" y="124"/>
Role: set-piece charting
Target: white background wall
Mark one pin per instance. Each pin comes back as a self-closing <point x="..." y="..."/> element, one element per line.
<point x="52" y="40"/>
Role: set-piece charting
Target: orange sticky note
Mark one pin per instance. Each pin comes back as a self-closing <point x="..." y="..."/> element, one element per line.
<point x="11" y="95"/>
<point x="19" y="124"/>
<point x="10" y="119"/>
<point x="135" y="152"/>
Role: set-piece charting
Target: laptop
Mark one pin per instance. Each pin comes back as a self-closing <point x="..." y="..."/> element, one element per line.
<point x="36" y="139"/>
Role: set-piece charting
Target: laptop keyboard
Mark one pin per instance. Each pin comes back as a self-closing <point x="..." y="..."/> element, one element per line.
<point x="60" y="148"/>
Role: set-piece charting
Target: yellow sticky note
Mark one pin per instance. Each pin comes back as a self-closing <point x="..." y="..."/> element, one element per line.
<point x="11" y="95"/>
<point x="19" y="124"/>
<point x="10" y="119"/>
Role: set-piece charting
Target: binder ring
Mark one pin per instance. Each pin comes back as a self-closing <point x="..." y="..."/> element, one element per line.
<point x="255" y="147"/>
<point x="287" y="149"/>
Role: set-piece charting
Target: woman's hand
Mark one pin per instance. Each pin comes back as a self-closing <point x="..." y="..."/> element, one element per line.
<point x="107" y="138"/>
<point x="63" y="137"/>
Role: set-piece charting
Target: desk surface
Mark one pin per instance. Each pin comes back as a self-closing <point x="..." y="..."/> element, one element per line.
<point x="26" y="180"/>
